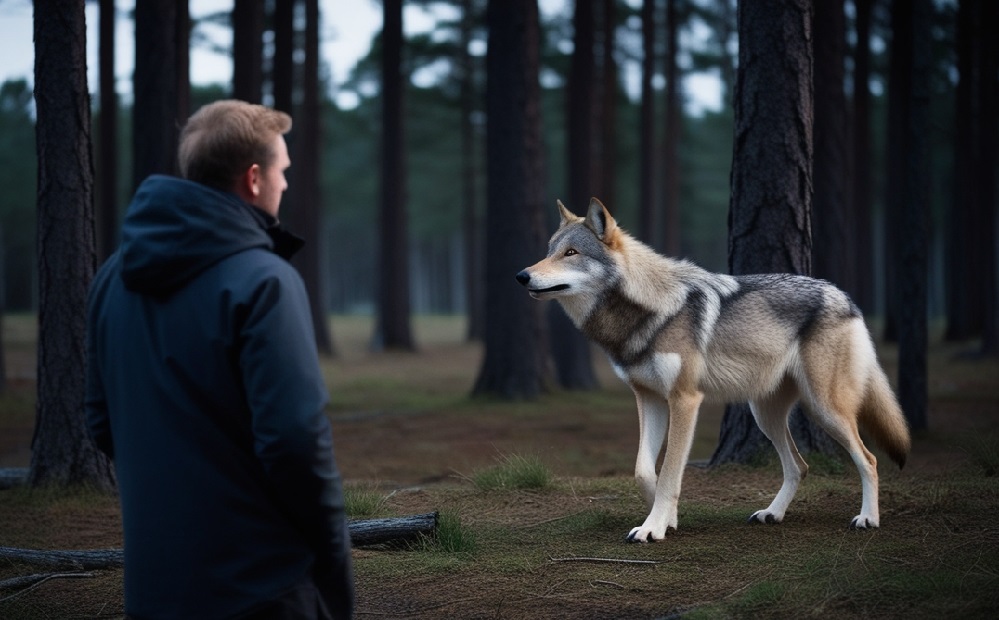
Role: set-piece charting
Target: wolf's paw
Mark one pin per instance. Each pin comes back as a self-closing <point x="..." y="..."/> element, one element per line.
<point x="646" y="534"/>
<point x="863" y="522"/>
<point x="764" y="516"/>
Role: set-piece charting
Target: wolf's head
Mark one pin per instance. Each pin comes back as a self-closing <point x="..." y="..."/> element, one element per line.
<point x="580" y="259"/>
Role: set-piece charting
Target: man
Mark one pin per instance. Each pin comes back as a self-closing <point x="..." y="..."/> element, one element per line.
<point x="204" y="387"/>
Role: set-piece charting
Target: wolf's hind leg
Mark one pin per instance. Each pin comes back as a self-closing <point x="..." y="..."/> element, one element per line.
<point x="771" y="415"/>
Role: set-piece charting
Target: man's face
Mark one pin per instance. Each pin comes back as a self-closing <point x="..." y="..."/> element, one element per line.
<point x="271" y="182"/>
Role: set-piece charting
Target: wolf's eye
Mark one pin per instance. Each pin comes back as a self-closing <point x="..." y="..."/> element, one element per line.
<point x="571" y="252"/>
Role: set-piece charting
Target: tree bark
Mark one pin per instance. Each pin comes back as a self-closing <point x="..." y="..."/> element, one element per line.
<point x="62" y="453"/>
<point x="911" y="247"/>
<point x="308" y="209"/>
<point x="861" y="170"/>
<point x="471" y="213"/>
<point x="647" y="131"/>
<point x="606" y="179"/>
<point x="247" y="50"/>
<point x="673" y="124"/>
<point x="770" y="210"/>
<point x="393" y="328"/>
<point x="515" y="341"/>
<point x="832" y="251"/>
<point x="570" y="348"/>
<point x="160" y="86"/>
<point x="108" y="188"/>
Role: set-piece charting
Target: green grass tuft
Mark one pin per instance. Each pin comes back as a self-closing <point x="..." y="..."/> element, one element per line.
<point x="363" y="502"/>
<point x="452" y="536"/>
<point x="514" y="472"/>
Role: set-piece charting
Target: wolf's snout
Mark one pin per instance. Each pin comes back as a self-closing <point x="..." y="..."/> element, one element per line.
<point x="523" y="277"/>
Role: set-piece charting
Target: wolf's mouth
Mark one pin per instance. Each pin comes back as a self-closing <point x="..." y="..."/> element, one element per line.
<point x="551" y="289"/>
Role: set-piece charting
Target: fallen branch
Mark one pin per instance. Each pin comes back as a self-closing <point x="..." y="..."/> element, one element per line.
<point x="603" y="560"/>
<point x="363" y="533"/>
<point x="368" y="532"/>
<point x="33" y="581"/>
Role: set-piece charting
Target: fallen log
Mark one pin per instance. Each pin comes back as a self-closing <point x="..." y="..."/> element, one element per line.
<point x="363" y="533"/>
<point x="395" y="530"/>
<point x="11" y="477"/>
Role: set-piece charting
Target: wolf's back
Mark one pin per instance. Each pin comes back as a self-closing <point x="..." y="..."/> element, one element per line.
<point x="882" y="418"/>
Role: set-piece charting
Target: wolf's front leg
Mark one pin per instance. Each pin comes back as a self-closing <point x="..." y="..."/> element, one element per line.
<point x="653" y="419"/>
<point x="683" y="408"/>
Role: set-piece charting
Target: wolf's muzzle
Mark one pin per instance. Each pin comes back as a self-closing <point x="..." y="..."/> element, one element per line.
<point x="523" y="277"/>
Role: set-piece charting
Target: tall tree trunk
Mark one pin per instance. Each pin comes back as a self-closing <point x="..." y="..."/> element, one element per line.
<point x="861" y="171"/>
<point x="647" y="130"/>
<point x="832" y="250"/>
<point x="911" y="260"/>
<point x="962" y="280"/>
<point x="570" y="348"/>
<point x="309" y="216"/>
<point x="283" y="63"/>
<point x="988" y="92"/>
<point x="393" y="329"/>
<point x="770" y="210"/>
<point x="471" y="213"/>
<point x="671" y="136"/>
<point x="160" y="91"/>
<point x="247" y="50"/>
<point x="513" y="365"/>
<point x="62" y="453"/>
<point x="108" y="215"/>
<point x="606" y="180"/>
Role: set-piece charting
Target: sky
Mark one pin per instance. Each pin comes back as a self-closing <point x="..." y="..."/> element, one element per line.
<point x="348" y="26"/>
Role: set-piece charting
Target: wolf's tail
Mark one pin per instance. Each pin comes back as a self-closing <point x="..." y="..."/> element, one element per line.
<point x="882" y="419"/>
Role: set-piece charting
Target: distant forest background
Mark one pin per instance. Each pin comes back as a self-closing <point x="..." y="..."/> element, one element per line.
<point x="441" y="176"/>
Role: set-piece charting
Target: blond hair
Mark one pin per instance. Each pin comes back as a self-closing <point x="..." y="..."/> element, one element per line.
<point x="223" y="139"/>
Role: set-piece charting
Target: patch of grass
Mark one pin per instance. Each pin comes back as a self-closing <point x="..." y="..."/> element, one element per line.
<point x="452" y="536"/>
<point x="514" y="472"/>
<point x="362" y="502"/>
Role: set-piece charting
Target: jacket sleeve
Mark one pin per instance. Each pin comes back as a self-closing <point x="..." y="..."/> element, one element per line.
<point x="292" y="436"/>
<point x="95" y="402"/>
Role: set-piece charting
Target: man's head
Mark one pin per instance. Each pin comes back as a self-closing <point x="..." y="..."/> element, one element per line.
<point x="238" y="147"/>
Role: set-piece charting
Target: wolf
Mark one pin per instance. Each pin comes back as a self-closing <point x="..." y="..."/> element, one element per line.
<point x="677" y="334"/>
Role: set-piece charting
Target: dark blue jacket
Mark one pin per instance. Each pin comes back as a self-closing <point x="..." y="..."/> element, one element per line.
<point x="204" y="386"/>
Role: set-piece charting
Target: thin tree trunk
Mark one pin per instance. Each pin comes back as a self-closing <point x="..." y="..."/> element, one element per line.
<point x="647" y="131"/>
<point x="861" y="172"/>
<point x="472" y="218"/>
<point x="988" y="51"/>
<point x="607" y="159"/>
<point x="671" y="136"/>
<point x="393" y="328"/>
<point x="108" y="216"/>
<point x="911" y="264"/>
<point x="309" y="189"/>
<point x="570" y="348"/>
<point x="513" y="365"/>
<point x="247" y="50"/>
<point x="160" y="96"/>
<point x="832" y="250"/>
<point x="62" y="453"/>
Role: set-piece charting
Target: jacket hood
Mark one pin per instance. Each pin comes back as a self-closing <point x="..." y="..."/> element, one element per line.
<point x="174" y="229"/>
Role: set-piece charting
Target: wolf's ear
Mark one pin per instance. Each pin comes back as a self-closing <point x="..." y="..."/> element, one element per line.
<point x="567" y="216"/>
<point x="599" y="220"/>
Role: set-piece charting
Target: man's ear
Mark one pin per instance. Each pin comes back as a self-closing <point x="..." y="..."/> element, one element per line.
<point x="248" y="184"/>
<point x="599" y="220"/>
<point x="567" y="216"/>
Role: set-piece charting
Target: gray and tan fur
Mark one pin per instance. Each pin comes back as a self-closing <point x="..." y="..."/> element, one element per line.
<point x="678" y="334"/>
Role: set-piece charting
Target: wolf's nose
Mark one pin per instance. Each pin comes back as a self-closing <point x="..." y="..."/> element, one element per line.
<point x="523" y="277"/>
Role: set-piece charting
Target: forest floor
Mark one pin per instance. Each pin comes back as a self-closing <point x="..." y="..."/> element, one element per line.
<point x="409" y="439"/>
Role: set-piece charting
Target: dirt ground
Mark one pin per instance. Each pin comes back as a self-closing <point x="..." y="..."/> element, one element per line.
<point x="404" y="427"/>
